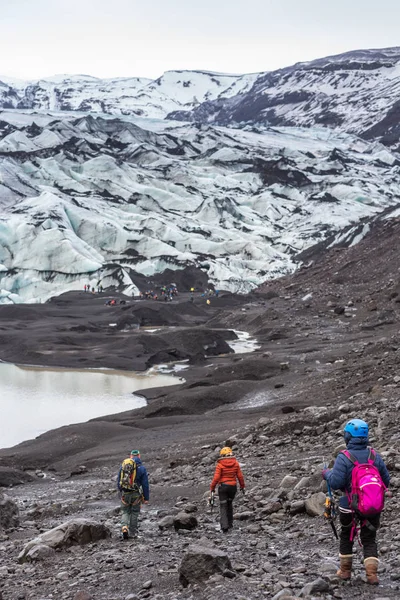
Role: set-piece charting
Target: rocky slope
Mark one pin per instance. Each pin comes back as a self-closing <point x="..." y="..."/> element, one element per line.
<point x="101" y="201"/>
<point x="355" y="92"/>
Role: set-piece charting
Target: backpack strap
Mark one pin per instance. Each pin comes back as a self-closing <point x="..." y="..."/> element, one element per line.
<point x="371" y="456"/>
<point x="350" y="457"/>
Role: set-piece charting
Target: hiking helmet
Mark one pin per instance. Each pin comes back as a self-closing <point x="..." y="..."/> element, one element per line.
<point x="356" y="428"/>
<point x="226" y="451"/>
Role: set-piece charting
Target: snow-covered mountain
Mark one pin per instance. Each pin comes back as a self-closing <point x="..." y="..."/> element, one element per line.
<point x="357" y="92"/>
<point x="87" y="199"/>
<point x="173" y="91"/>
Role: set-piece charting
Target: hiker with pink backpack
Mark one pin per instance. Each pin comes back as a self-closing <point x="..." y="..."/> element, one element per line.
<point x="360" y="473"/>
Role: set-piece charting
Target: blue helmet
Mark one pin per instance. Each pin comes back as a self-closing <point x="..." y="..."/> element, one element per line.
<point x="356" y="428"/>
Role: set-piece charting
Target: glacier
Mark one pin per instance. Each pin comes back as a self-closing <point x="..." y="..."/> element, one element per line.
<point x="95" y="199"/>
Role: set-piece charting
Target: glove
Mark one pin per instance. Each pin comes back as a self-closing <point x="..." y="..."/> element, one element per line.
<point x="324" y="473"/>
<point x="243" y="491"/>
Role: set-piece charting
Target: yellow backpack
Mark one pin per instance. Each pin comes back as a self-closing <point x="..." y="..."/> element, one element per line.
<point x="128" y="474"/>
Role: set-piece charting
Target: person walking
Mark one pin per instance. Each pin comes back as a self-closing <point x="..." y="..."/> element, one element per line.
<point x="133" y="485"/>
<point x="227" y="473"/>
<point x="358" y="461"/>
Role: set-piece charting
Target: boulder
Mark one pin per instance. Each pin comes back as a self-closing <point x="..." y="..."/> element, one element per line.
<point x="9" y="513"/>
<point x="184" y="520"/>
<point x="200" y="562"/>
<point x="10" y="476"/>
<point x="315" y="505"/>
<point x="77" y="531"/>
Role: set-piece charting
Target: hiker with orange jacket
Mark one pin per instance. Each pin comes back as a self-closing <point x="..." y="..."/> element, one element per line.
<point x="227" y="473"/>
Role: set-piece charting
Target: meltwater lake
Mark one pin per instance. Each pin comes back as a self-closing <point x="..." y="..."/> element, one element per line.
<point x="34" y="400"/>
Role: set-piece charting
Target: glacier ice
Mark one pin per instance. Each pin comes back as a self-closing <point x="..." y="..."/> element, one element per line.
<point x="96" y="199"/>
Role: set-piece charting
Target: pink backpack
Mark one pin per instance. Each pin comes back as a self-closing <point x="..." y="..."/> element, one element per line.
<point x="367" y="495"/>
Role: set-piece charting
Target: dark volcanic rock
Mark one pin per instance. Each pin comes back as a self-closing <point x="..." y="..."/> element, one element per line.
<point x="184" y="520"/>
<point x="9" y="513"/>
<point x="200" y="562"/>
<point x="10" y="476"/>
<point x="76" y="531"/>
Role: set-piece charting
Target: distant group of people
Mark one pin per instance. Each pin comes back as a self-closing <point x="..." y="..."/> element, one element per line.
<point x="359" y="472"/>
<point x="166" y="293"/>
<point x="92" y="289"/>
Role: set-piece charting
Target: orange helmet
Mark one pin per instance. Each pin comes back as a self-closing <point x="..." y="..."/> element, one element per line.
<point x="226" y="451"/>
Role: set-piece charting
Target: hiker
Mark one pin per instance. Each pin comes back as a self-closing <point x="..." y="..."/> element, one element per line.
<point x="227" y="472"/>
<point x="346" y="476"/>
<point x="133" y="485"/>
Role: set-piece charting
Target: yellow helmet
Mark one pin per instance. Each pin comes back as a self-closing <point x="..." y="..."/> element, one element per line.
<point x="225" y="451"/>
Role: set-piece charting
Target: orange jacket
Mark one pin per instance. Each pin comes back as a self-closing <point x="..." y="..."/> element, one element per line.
<point x="227" y="471"/>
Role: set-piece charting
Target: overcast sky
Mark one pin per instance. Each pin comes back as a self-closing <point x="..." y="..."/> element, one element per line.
<point x="147" y="37"/>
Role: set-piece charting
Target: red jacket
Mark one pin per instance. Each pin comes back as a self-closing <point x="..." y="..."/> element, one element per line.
<point x="227" y="471"/>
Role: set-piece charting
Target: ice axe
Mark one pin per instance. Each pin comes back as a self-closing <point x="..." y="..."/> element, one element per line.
<point x="211" y="501"/>
<point x="330" y="510"/>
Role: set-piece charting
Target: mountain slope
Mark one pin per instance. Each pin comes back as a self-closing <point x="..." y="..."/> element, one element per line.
<point x="88" y="200"/>
<point x="356" y="92"/>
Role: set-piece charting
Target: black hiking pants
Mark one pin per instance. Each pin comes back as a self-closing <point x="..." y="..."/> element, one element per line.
<point x="368" y="529"/>
<point x="226" y="495"/>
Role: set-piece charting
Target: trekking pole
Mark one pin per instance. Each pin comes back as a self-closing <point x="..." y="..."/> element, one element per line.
<point x="330" y="511"/>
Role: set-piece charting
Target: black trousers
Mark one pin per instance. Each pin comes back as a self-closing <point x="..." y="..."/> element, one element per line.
<point x="226" y="495"/>
<point x="368" y="529"/>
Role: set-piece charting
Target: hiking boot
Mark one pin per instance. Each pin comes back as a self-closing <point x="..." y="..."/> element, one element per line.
<point x="125" y="533"/>
<point x="371" y="569"/>
<point x="346" y="562"/>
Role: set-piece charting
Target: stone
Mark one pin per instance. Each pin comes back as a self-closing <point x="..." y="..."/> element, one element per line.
<point x="77" y="531"/>
<point x="200" y="562"/>
<point x="304" y="483"/>
<point x="315" y="505"/>
<point x="147" y="585"/>
<point x="286" y="593"/>
<point x="184" y="520"/>
<point x="9" y="513"/>
<point x="190" y="508"/>
<point x="39" y="552"/>
<point x="314" y="587"/>
<point x="83" y="595"/>
<point x="288" y="482"/>
<point x="297" y="507"/>
<point x="270" y="508"/>
<point x="165" y="522"/>
<point x="244" y="516"/>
